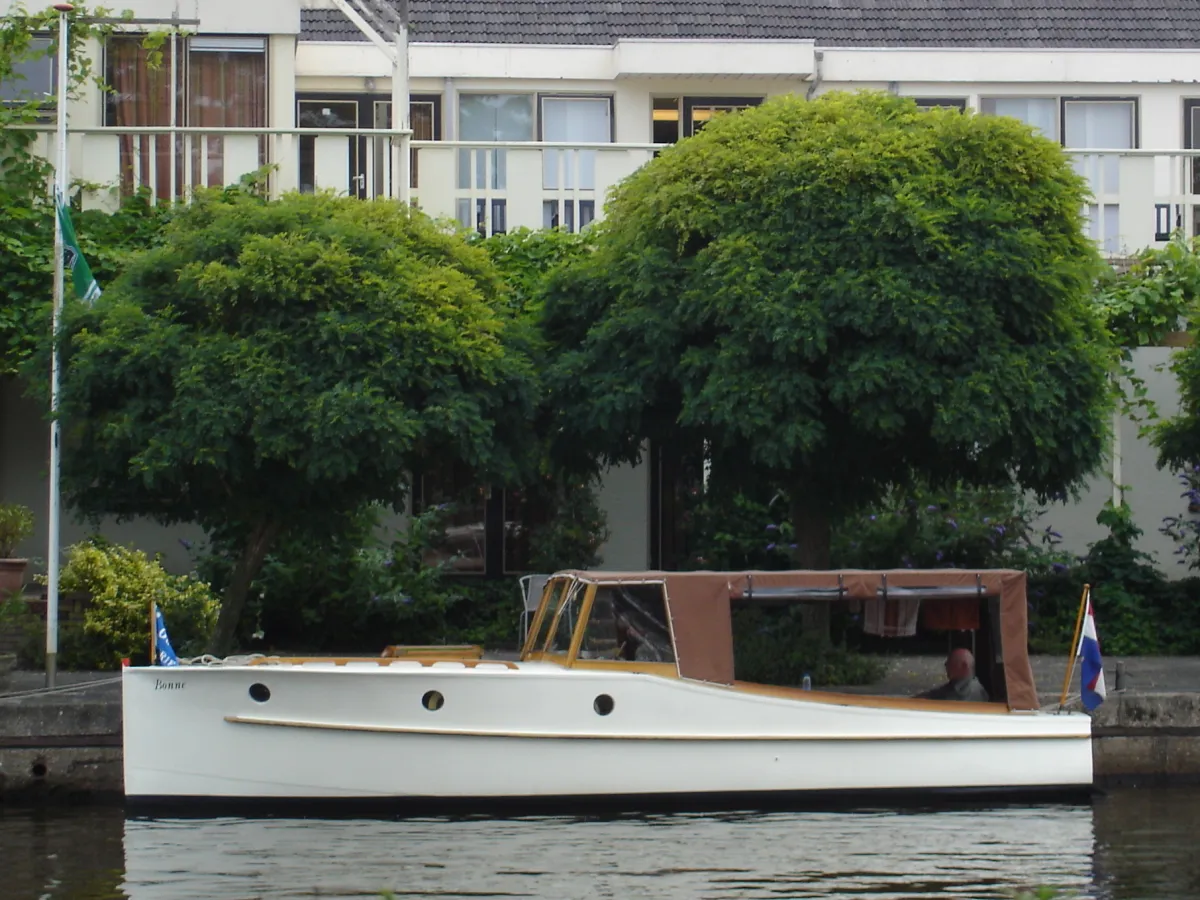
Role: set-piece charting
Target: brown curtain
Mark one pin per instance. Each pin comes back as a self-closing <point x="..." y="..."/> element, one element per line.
<point x="225" y="90"/>
<point x="140" y="95"/>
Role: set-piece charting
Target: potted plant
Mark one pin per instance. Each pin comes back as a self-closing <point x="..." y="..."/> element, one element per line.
<point x="16" y="524"/>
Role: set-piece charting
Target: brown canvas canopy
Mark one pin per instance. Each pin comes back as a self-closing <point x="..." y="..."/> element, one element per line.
<point x="699" y="606"/>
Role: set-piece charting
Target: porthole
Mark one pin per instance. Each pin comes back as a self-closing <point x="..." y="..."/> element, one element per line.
<point x="260" y="693"/>
<point x="433" y="700"/>
<point x="603" y="705"/>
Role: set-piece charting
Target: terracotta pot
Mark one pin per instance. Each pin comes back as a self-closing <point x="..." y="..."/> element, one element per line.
<point x="12" y="576"/>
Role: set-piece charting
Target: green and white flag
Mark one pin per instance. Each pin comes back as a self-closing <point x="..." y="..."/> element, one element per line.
<point x="86" y="288"/>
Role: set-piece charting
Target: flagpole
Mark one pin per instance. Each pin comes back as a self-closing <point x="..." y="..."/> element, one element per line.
<point x="1083" y="601"/>
<point x="60" y="193"/>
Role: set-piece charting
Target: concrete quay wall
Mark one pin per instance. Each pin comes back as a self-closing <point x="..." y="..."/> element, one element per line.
<point x="68" y="746"/>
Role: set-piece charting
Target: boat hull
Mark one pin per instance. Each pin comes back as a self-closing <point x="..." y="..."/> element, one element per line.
<point x="533" y="733"/>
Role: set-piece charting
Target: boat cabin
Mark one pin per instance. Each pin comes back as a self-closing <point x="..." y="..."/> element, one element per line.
<point x="679" y="624"/>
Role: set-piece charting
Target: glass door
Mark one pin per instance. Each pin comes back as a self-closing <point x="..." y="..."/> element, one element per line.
<point x="334" y="162"/>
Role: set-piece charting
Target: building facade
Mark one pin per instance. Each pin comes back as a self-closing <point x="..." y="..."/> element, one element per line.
<point x="523" y="113"/>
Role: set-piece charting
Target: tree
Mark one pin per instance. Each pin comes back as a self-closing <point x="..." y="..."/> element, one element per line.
<point x="839" y="296"/>
<point x="281" y="363"/>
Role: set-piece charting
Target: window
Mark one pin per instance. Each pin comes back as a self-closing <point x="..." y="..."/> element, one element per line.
<point x="673" y="118"/>
<point x="463" y="545"/>
<point x="33" y="76"/>
<point x="628" y="622"/>
<point x="1101" y="124"/>
<point x="1039" y="112"/>
<point x="489" y="117"/>
<point x="220" y="82"/>
<point x="522" y="514"/>
<point x="584" y="120"/>
<point x="941" y="102"/>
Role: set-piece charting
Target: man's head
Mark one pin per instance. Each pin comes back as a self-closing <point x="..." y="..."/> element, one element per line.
<point x="960" y="664"/>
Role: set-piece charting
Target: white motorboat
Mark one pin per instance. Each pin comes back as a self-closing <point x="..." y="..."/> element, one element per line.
<point x="624" y="690"/>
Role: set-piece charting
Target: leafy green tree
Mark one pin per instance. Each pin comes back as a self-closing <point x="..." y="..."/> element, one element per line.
<point x="839" y="296"/>
<point x="273" y="364"/>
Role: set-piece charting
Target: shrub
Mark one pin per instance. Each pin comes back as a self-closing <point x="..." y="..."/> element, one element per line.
<point x="16" y="524"/>
<point x="122" y="583"/>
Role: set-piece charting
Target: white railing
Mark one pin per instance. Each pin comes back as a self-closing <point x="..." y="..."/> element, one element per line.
<point x="1140" y="196"/>
<point x="488" y="186"/>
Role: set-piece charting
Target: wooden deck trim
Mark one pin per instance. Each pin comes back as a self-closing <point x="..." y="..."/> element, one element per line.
<point x="875" y="701"/>
<point x="381" y="660"/>
<point x="559" y="736"/>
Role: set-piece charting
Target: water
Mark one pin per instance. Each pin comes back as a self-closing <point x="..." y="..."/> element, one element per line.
<point x="1127" y="845"/>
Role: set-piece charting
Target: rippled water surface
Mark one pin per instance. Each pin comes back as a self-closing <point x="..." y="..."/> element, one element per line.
<point x="1127" y="845"/>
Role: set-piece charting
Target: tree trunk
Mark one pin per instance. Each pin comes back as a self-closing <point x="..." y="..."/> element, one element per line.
<point x="261" y="537"/>
<point x="813" y="531"/>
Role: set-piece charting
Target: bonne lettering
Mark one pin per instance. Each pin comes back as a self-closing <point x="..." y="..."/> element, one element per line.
<point x="160" y="685"/>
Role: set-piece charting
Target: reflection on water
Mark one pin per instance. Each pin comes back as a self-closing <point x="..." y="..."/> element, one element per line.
<point x="1129" y="845"/>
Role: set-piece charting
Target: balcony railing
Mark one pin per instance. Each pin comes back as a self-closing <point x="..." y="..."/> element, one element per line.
<point x="1140" y="196"/>
<point x="489" y="186"/>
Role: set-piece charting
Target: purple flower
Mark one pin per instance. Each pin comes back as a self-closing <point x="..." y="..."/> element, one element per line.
<point x="185" y="543"/>
<point x="872" y="518"/>
<point x="1059" y="567"/>
<point x="404" y="598"/>
<point x="999" y="529"/>
<point x="952" y="524"/>
<point x="791" y="546"/>
<point x="938" y="556"/>
<point x="772" y="528"/>
<point x="770" y="547"/>
<point x="931" y="508"/>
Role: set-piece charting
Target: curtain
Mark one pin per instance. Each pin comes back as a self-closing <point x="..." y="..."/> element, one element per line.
<point x="1040" y="112"/>
<point x="140" y="94"/>
<point x="586" y="120"/>
<point x="225" y="90"/>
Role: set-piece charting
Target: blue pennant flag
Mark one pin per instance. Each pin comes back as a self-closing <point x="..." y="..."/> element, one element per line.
<point x="1091" y="670"/>
<point x="164" y="654"/>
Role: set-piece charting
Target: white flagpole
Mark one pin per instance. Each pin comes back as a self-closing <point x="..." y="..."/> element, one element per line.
<point x="60" y="193"/>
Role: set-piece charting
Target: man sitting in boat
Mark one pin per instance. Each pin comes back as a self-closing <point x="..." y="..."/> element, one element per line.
<point x="961" y="682"/>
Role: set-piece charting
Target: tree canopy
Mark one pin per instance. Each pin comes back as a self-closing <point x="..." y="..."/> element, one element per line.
<point x="841" y="295"/>
<point x="277" y="363"/>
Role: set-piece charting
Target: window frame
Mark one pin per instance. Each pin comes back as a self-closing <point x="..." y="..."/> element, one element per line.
<point x="1135" y="121"/>
<point x="1056" y="99"/>
<point x="46" y="105"/>
<point x="959" y="103"/>
<point x="539" y="131"/>
<point x="688" y="103"/>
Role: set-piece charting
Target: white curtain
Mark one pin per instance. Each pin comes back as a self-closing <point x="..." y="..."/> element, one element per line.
<point x="587" y="120"/>
<point x="1039" y="112"/>
<point x="1100" y="125"/>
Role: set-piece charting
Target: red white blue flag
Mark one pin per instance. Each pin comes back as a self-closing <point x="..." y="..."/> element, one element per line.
<point x="1091" y="670"/>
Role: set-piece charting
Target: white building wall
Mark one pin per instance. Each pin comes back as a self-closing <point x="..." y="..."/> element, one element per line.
<point x="1151" y="493"/>
<point x="24" y="462"/>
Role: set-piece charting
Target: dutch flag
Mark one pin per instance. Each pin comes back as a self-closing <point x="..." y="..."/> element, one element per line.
<point x="1091" y="670"/>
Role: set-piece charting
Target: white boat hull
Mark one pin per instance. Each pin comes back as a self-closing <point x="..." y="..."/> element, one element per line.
<point x="530" y="732"/>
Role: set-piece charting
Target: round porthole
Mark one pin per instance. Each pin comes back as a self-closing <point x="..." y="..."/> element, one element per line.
<point x="433" y="700"/>
<point x="260" y="693"/>
<point x="603" y="705"/>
